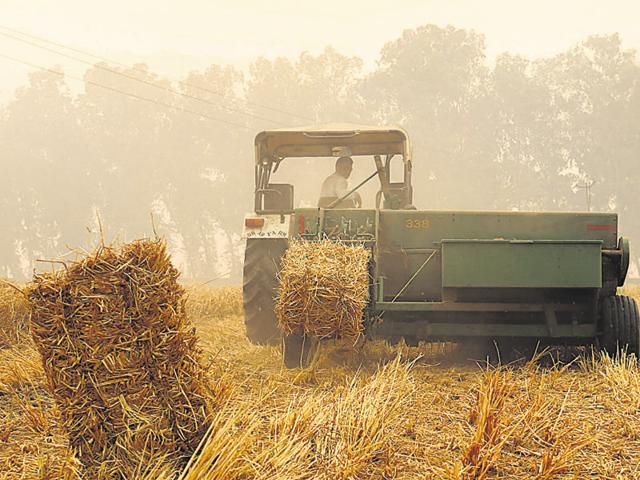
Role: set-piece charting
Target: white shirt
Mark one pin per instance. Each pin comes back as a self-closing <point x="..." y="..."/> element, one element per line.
<point x="334" y="185"/>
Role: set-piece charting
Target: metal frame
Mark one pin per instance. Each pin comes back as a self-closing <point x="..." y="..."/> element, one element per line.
<point x="439" y="330"/>
<point x="318" y="142"/>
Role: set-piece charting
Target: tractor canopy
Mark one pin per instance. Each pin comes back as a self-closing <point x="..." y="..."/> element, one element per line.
<point x="332" y="140"/>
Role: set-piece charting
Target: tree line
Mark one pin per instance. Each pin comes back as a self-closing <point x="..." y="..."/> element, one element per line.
<point x="135" y="151"/>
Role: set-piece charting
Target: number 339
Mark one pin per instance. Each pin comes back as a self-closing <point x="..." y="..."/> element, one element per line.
<point x="409" y="223"/>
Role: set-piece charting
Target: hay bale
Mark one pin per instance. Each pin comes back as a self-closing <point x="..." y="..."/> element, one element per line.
<point x="121" y="358"/>
<point x="324" y="288"/>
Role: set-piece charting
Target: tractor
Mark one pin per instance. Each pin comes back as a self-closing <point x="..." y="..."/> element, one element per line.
<point x="437" y="275"/>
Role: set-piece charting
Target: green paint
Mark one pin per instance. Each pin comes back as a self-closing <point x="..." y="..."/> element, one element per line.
<point x="496" y="225"/>
<point x="521" y="264"/>
<point x="425" y="330"/>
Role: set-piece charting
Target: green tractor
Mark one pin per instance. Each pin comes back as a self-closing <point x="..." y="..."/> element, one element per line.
<point x="438" y="275"/>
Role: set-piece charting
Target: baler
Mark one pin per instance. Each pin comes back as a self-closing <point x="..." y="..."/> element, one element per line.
<point x="439" y="275"/>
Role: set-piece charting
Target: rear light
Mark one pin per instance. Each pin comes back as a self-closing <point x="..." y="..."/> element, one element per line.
<point x="300" y="224"/>
<point x="254" y="222"/>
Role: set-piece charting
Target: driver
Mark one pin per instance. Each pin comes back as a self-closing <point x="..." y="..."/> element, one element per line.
<point x="336" y="185"/>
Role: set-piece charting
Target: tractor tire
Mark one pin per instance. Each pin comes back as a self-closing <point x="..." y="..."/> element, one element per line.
<point x="298" y="350"/>
<point x="620" y="325"/>
<point x="259" y="288"/>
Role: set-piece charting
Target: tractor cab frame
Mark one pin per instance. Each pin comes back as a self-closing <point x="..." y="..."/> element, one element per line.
<point x="383" y="143"/>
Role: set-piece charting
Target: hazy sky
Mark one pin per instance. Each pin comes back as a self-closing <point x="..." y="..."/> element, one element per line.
<point x="175" y="37"/>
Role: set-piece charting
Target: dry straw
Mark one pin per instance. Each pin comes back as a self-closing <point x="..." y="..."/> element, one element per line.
<point x="324" y="288"/>
<point x="120" y="358"/>
<point x="14" y="313"/>
<point x="213" y="303"/>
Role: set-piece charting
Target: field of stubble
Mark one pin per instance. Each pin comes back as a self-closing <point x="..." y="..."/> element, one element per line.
<point x="374" y="411"/>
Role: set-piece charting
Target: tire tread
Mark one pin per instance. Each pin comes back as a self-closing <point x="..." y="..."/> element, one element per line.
<point x="259" y="285"/>
<point x="621" y="324"/>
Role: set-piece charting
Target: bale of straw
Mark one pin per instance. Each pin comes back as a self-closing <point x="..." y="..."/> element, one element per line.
<point x="121" y="358"/>
<point x="324" y="289"/>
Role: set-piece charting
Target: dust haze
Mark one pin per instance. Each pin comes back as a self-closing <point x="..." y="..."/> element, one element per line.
<point x="537" y="117"/>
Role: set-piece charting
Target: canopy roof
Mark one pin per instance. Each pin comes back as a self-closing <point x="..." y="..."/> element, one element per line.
<point x="331" y="140"/>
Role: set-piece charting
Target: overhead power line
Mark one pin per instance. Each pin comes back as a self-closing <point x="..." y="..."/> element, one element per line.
<point x="122" y="92"/>
<point x="114" y="62"/>
<point x="141" y="80"/>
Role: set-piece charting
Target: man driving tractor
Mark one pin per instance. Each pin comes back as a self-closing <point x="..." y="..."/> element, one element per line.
<point x="336" y="186"/>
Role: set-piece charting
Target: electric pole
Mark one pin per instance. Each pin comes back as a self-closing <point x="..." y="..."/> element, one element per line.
<point x="587" y="189"/>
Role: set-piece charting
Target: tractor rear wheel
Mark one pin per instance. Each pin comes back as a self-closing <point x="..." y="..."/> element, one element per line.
<point x="259" y="288"/>
<point x="299" y="350"/>
<point x="620" y="324"/>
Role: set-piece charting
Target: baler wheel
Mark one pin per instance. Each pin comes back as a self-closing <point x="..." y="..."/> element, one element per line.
<point x="621" y="325"/>
<point x="298" y="350"/>
<point x="259" y="288"/>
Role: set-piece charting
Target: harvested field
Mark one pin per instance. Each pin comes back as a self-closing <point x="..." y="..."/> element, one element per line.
<point x="14" y="313"/>
<point x="375" y="412"/>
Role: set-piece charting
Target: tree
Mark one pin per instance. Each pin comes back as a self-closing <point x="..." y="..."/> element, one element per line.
<point x="525" y="127"/>
<point x="595" y="90"/>
<point x="42" y="184"/>
<point x="314" y="88"/>
<point x="433" y="81"/>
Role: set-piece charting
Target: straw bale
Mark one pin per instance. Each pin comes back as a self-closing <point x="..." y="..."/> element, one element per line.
<point x="324" y="289"/>
<point x="121" y="357"/>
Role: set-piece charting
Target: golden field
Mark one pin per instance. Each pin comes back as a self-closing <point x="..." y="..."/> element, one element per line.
<point x="371" y="411"/>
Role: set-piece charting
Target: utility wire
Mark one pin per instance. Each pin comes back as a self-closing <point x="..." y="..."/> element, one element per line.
<point x="141" y="80"/>
<point x="122" y="92"/>
<point x="104" y="59"/>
